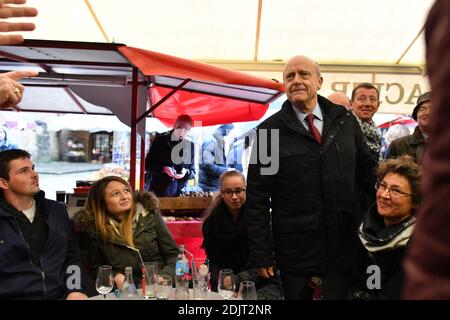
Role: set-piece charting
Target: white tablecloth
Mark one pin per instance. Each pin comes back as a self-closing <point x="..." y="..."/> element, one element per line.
<point x="112" y="296"/>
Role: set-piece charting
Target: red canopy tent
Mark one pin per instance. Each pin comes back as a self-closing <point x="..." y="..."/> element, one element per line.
<point x="105" y="78"/>
<point x="205" y="110"/>
<point x="203" y="91"/>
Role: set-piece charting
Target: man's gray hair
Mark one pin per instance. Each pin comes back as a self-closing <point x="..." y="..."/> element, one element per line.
<point x="318" y="69"/>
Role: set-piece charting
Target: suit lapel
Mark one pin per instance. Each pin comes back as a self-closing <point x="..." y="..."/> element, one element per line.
<point x="330" y="113"/>
<point x="291" y="121"/>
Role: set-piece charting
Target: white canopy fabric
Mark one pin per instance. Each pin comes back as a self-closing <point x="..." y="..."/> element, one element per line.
<point x="351" y="33"/>
<point x="91" y="123"/>
<point x="95" y="123"/>
<point x="354" y="31"/>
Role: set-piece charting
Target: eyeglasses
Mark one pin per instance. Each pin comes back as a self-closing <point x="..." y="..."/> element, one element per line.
<point x="230" y="193"/>
<point x="364" y="98"/>
<point x="393" y="191"/>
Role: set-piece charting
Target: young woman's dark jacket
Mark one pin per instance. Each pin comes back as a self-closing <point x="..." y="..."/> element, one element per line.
<point x="226" y="244"/>
<point x="150" y="236"/>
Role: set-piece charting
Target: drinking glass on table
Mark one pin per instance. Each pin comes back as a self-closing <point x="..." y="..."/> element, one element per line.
<point x="151" y="272"/>
<point x="163" y="287"/>
<point x="247" y="291"/>
<point x="226" y="285"/>
<point x="200" y="278"/>
<point x="104" y="282"/>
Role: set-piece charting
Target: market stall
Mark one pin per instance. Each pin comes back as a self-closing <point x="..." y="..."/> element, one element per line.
<point x="132" y="83"/>
<point x="183" y="217"/>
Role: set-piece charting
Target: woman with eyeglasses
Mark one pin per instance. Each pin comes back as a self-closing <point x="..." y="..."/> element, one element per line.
<point x="116" y="222"/>
<point x="387" y="228"/>
<point x="225" y="237"/>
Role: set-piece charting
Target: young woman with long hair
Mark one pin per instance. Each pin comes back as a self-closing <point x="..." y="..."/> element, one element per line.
<point x="116" y="221"/>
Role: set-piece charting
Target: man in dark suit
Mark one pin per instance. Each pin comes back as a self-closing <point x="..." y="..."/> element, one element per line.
<point x="302" y="217"/>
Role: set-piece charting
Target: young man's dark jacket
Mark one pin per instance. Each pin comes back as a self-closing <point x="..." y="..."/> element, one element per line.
<point x="20" y="278"/>
<point x="312" y="196"/>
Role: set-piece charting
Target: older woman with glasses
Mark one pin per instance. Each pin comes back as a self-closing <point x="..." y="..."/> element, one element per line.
<point x="225" y="237"/>
<point x="387" y="228"/>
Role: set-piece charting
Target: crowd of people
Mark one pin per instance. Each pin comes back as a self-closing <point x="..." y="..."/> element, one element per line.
<point x="315" y="229"/>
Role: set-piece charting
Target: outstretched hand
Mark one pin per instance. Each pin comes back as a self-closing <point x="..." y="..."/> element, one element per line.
<point x="11" y="91"/>
<point x="170" y="172"/>
<point x="16" y="11"/>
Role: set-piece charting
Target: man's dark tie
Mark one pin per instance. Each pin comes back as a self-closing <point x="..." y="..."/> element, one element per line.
<point x="312" y="128"/>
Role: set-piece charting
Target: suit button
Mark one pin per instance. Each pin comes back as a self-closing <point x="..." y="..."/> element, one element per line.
<point x="342" y="122"/>
<point x="331" y="136"/>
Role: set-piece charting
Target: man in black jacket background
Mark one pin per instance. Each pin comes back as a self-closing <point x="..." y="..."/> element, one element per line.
<point x="303" y="216"/>
<point x="170" y="160"/>
<point x="414" y="145"/>
<point x="39" y="254"/>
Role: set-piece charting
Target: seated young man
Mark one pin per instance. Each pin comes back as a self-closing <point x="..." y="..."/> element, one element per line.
<point x="39" y="254"/>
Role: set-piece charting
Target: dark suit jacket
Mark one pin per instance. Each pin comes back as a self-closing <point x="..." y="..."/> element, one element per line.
<point x="309" y="203"/>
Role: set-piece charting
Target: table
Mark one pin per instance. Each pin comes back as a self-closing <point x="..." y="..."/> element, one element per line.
<point x="111" y="296"/>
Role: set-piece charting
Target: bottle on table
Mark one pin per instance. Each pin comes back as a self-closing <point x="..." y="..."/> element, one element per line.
<point x="182" y="275"/>
<point x="129" y="288"/>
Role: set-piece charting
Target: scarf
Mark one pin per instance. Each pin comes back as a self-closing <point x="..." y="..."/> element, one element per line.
<point x="376" y="237"/>
<point x="370" y="132"/>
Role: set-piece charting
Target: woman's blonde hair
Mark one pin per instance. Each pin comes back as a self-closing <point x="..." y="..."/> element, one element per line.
<point x="96" y="207"/>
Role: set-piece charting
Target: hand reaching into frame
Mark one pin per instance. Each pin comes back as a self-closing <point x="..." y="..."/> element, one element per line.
<point x="15" y="11"/>
<point x="11" y="91"/>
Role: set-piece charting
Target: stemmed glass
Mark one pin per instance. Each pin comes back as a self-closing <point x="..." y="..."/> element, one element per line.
<point x="104" y="282"/>
<point x="226" y="284"/>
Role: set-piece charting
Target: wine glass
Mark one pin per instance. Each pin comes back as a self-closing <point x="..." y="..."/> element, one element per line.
<point x="104" y="282"/>
<point x="247" y="291"/>
<point x="226" y="285"/>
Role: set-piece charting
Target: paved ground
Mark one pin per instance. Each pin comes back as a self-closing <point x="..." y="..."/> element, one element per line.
<point x="62" y="176"/>
<point x="62" y="167"/>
